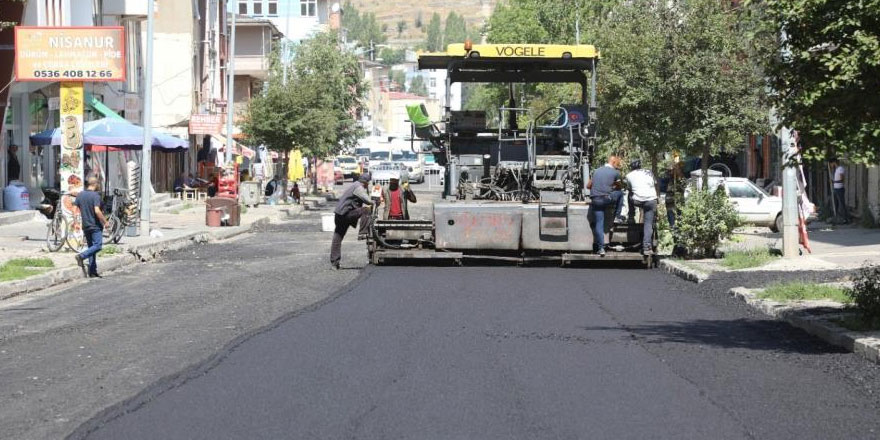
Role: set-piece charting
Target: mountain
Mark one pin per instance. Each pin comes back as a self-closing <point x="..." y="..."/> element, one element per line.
<point x="390" y="12"/>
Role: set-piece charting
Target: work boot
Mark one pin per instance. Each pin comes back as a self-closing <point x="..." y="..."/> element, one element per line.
<point x="647" y="251"/>
<point x="334" y="266"/>
<point x="601" y="252"/>
<point x="95" y="275"/>
<point x="81" y="263"/>
<point x="619" y="220"/>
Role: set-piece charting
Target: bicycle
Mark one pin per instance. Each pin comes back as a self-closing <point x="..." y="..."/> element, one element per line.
<point x="118" y="215"/>
<point x="56" y="235"/>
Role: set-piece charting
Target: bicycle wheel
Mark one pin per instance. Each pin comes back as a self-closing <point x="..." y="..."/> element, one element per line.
<point x="75" y="240"/>
<point x="111" y="227"/>
<point x="117" y="234"/>
<point x="56" y="233"/>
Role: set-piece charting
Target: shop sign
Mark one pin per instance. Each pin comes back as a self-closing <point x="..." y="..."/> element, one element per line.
<point x="204" y="123"/>
<point x="89" y="54"/>
<point x="71" y="171"/>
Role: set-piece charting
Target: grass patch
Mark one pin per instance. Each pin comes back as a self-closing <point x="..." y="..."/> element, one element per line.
<point x="858" y="323"/>
<point x="110" y="249"/>
<point x="20" y="268"/>
<point x="31" y="262"/>
<point x="744" y="259"/>
<point x="805" y="291"/>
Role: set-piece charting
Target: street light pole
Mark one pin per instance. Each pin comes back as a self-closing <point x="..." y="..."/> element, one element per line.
<point x="790" y="242"/>
<point x="230" y="89"/>
<point x="146" y="159"/>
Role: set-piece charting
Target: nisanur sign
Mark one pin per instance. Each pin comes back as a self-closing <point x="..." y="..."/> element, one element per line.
<point x="87" y="54"/>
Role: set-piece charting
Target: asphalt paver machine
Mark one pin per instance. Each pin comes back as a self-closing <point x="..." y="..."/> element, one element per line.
<point x="518" y="191"/>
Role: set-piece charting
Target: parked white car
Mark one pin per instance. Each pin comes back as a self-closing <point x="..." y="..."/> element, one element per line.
<point x="754" y="205"/>
<point x="383" y="172"/>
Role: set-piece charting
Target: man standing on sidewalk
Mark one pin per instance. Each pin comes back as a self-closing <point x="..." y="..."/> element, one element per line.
<point x="644" y="195"/>
<point x="89" y="203"/>
<point x="353" y="208"/>
<point x="839" y="189"/>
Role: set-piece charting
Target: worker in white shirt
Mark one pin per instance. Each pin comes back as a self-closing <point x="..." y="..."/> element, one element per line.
<point x="643" y="191"/>
<point x="839" y="189"/>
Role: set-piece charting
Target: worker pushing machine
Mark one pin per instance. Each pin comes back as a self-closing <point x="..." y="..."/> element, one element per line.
<point x="353" y="209"/>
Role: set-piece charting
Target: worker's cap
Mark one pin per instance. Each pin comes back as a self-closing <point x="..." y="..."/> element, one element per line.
<point x="365" y="178"/>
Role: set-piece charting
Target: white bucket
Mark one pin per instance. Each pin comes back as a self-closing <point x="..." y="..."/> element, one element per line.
<point x="327" y="222"/>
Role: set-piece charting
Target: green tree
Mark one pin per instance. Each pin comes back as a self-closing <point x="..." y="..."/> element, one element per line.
<point x="823" y="65"/>
<point x="455" y="30"/>
<point x="391" y="56"/>
<point x="434" y="41"/>
<point x="417" y="86"/>
<point x="719" y="87"/>
<point x="401" y="26"/>
<point x="314" y="110"/>
<point x="398" y="80"/>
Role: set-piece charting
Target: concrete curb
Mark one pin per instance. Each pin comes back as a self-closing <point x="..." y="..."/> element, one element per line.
<point x="813" y="317"/>
<point x="682" y="271"/>
<point x="142" y="253"/>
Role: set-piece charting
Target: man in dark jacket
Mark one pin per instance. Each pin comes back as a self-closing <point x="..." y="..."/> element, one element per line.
<point x="395" y="197"/>
<point x="353" y="207"/>
<point x="13" y="166"/>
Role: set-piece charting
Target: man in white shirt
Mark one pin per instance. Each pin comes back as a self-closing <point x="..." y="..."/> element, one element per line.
<point x="839" y="189"/>
<point x="643" y="191"/>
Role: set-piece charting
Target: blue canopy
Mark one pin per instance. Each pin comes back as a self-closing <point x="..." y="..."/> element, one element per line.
<point x="112" y="132"/>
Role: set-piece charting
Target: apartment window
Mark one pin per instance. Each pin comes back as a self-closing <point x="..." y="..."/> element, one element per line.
<point x="433" y="82"/>
<point x="308" y="8"/>
<point x="273" y="8"/>
<point x="258" y="8"/>
<point x="242" y="8"/>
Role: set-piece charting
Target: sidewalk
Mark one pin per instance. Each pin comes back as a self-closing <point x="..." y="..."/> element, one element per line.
<point x="27" y="240"/>
<point x="834" y="248"/>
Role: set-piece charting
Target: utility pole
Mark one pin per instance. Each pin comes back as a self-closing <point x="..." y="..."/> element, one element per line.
<point x="230" y="92"/>
<point x="790" y="242"/>
<point x="146" y="159"/>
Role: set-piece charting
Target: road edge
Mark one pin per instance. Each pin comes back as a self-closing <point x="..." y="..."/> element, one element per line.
<point x="805" y="318"/>
<point x="142" y="253"/>
<point x="680" y="270"/>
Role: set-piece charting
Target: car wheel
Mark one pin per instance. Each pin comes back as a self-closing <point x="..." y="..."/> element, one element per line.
<point x="777" y="224"/>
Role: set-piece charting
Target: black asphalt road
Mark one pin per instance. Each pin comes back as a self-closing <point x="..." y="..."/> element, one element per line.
<point x="518" y="353"/>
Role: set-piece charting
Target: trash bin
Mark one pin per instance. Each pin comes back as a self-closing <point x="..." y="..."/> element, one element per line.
<point x="213" y="217"/>
<point x="250" y="193"/>
<point x="228" y="206"/>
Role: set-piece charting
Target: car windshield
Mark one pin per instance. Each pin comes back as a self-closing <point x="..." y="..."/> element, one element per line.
<point x="346" y="160"/>
<point x="379" y="155"/>
<point x="362" y="151"/>
<point x="429" y="158"/>
<point x="404" y="155"/>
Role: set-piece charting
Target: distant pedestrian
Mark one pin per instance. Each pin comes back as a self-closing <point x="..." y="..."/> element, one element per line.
<point x="13" y="166"/>
<point x="396" y="197"/>
<point x="643" y="190"/>
<point x="295" y="193"/>
<point x="352" y="210"/>
<point x="839" y="185"/>
<point x="89" y="203"/>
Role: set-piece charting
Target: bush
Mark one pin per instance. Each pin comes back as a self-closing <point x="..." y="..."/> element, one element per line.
<point x="706" y="218"/>
<point x="865" y="292"/>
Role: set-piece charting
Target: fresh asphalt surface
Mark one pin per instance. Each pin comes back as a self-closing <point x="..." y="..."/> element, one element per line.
<point x="509" y="353"/>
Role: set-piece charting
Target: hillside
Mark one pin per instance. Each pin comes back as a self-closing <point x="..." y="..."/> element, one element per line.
<point x="391" y="12"/>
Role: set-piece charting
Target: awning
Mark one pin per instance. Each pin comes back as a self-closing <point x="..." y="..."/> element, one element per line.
<point x="239" y="148"/>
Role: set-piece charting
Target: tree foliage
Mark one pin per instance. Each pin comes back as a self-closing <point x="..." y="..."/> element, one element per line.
<point x="455" y="30"/>
<point x="434" y="41"/>
<point x="417" y="86"/>
<point x="314" y="111"/>
<point x="823" y="64"/>
<point x="362" y="28"/>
